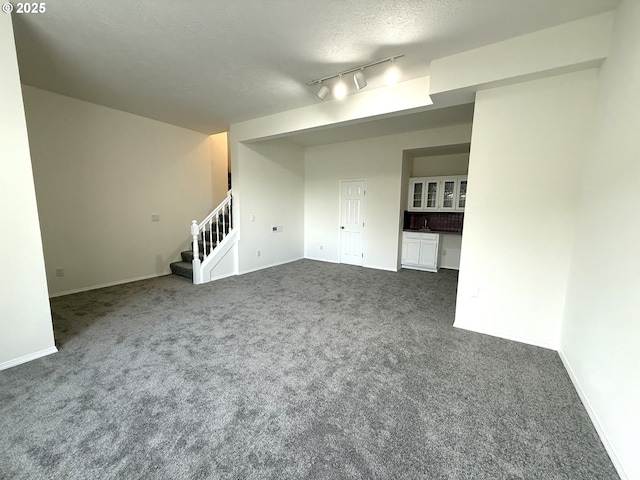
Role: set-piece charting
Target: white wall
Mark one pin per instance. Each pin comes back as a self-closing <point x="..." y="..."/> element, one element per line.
<point x="568" y="47"/>
<point x="380" y="161"/>
<point x="437" y="165"/>
<point x="26" y="331"/>
<point x="527" y="151"/>
<point x="219" y="166"/>
<point x="601" y="334"/>
<point x="268" y="184"/>
<point x="407" y="169"/>
<point x="100" y="174"/>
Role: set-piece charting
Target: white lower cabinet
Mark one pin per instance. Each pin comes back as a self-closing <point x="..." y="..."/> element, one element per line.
<point x="420" y="251"/>
<point x="411" y="251"/>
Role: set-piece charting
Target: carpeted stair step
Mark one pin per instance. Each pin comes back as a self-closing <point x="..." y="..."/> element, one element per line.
<point x="187" y="255"/>
<point x="184" y="269"/>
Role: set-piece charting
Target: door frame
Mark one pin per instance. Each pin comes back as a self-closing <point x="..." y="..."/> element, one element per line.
<point x="340" y="183"/>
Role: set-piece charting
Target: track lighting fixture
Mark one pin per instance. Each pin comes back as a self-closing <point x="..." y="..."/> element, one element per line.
<point x="340" y="89"/>
<point x="359" y="80"/>
<point x="322" y="91"/>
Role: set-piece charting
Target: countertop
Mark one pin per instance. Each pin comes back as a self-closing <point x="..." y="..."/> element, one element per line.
<point x="440" y="232"/>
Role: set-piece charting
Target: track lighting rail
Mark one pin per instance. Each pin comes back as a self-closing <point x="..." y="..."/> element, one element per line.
<point x="354" y="69"/>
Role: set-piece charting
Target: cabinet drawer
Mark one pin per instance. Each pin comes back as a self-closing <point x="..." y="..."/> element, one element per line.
<point x="429" y="236"/>
<point x="420" y="236"/>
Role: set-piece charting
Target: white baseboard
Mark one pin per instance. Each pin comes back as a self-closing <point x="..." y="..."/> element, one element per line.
<point x="375" y="267"/>
<point x="450" y="267"/>
<point x="224" y="275"/>
<point x="422" y="269"/>
<point x="270" y="265"/>
<point x="594" y="417"/>
<point x="320" y="260"/>
<point x="514" y="338"/>
<point x="109" y="284"/>
<point x="27" y="358"/>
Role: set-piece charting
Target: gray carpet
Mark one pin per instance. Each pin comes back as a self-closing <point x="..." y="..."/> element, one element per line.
<point x="307" y="370"/>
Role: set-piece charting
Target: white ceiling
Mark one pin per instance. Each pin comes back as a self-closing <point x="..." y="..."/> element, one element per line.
<point x="205" y="64"/>
<point x="389" y="125"/>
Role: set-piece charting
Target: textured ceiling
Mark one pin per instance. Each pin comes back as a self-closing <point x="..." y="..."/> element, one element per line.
<point x="205" y="64"/>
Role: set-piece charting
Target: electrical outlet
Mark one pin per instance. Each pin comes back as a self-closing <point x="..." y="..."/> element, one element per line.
<point x="321" y="247"/>
<point x="59" y="272"/>
<point x="253" y="218"/>
<point x="155" y="217"/>
<point x="257" y="253"/>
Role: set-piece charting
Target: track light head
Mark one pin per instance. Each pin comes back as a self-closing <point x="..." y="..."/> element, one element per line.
<point x="340" y="90"/>
<point x="392" y="75"/>
<point x="359" y="80"/>
<point x="322" y="91"/>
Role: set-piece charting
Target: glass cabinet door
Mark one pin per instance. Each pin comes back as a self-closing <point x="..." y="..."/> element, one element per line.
<point x="431" y="201"/>
<point x="462" y="195"/>
<point x="448" y="194"/>
<point x="417" y="193"/>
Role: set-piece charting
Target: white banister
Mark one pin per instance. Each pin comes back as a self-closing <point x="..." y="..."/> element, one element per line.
<point x="195" y="233"/>
<point x="215" y="236"/>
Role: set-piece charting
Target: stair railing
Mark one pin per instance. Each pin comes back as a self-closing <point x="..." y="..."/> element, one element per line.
<point x="210" y="232"/>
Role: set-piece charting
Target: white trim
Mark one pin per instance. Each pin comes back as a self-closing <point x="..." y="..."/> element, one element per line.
<point x="27" y="358"/>
<point x="109" y="284"/>
<point x="270" y="265"/>
<point x="374" y="267"/>
<point x="320" y="259"/>
<point x="224" y="275"/>
<point x="212" y="260"/>
<point x="236" y="255"/>
<point x="594" y="418"/>
<point x="514" y="338"/>
<point x="422" y="269"/>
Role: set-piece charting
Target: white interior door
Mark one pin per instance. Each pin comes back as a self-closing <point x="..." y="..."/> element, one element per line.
<point x="352" y="208"/>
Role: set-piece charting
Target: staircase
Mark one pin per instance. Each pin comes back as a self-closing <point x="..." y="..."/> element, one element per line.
<point x="211" y="239"/>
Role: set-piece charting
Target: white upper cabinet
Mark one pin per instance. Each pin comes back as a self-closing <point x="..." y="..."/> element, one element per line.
<point x="438" y="194"/>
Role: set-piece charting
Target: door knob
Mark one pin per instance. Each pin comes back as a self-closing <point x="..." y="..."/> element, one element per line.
<point x="342" y="227"/>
